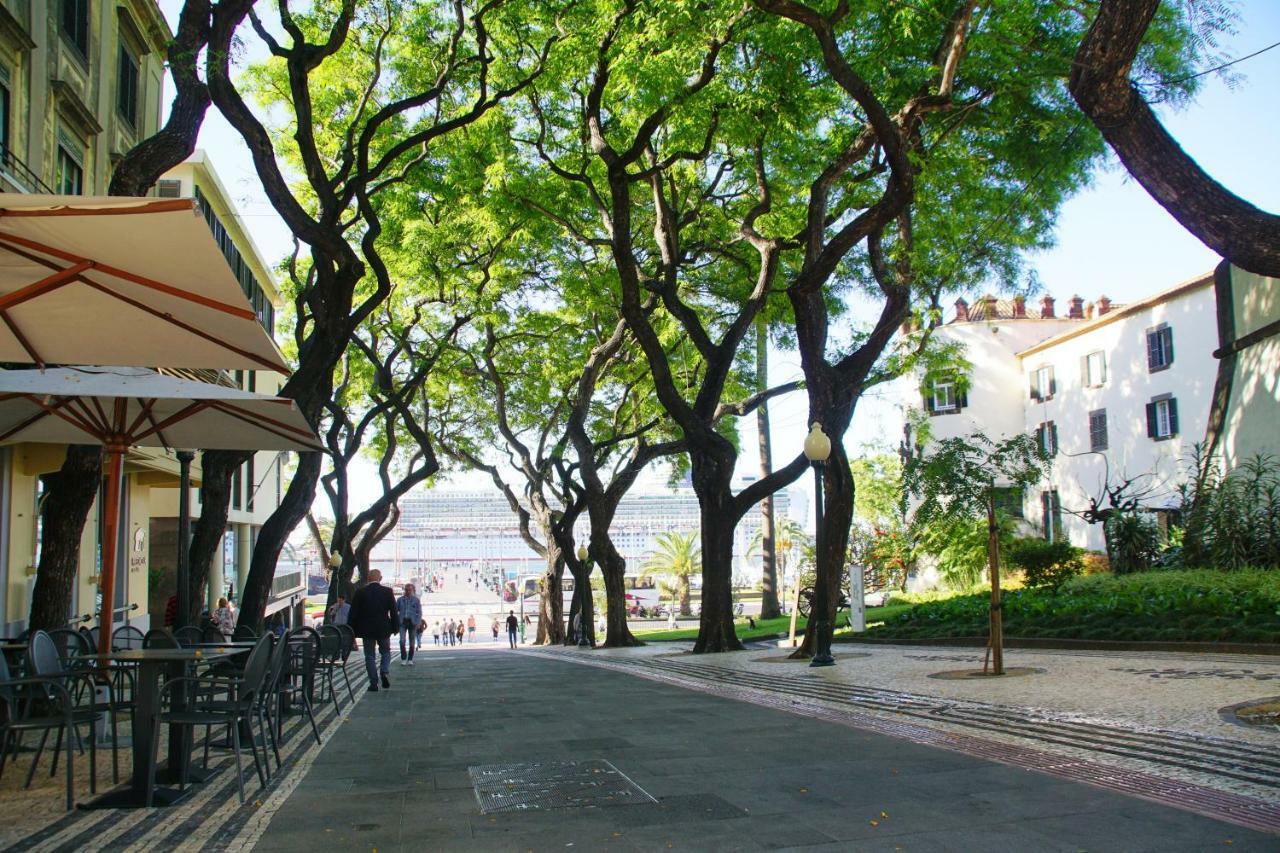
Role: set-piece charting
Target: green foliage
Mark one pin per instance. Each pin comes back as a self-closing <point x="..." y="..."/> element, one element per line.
<point x="960" y="547"/>
<point x="1172" y="606"/>
<point x="679" y="558"/>
<point x="1046" y="564"/>
<point x="1232" y="521"/>
<point x="1135" y="542"/>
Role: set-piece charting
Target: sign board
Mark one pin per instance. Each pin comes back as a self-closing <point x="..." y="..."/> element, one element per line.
<point x="857" y="600"/>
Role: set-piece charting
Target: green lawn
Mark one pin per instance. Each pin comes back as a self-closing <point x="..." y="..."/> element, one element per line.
<point x="1185" y="606"/>
<point x="771" y="627"/>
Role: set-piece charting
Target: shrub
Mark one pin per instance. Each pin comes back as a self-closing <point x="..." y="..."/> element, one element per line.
<point x="1232" y="521"/>
<point x="1046" y="564"/>
<point x="1135" y="542"/>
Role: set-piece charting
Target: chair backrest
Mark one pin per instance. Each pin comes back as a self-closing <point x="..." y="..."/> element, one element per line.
<point x="211" y="634"/>
<point x="348" y="640"/>
<point x="244" y="632"/>
<point x="256" y="668"/>
<point x="125" y="638"/>
<point x="188" y="635"/>
<point x="69" y="643"/>
<point x="42" y="656"/>
<point x="159" y="638"/>
<point x="91" y="637"/>
<point x="304" y="649"/>
<point x="330" y="643"/>
<point x="276" y="665"/>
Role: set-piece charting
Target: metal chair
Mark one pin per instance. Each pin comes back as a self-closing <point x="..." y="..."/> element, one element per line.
<point x="302" y="647"/>
<point x="238" y="708"/>
<point x="44" y="701"/>
<point x="330" y="660"/>
<point x="244" y="632"/>
<point x="188" y="635"/>
<point x="348" y="646"/>
<point x="212" y="634"/>
<point x="126" y="637"/>
<point x="159" y="638"/>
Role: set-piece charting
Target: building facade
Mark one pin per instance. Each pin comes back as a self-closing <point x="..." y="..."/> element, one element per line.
<point x="1114" y="393"/>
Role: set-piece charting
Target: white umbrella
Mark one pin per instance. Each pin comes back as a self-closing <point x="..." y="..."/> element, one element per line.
<point x="123" y="407"/>
<point x="108" y="280"/>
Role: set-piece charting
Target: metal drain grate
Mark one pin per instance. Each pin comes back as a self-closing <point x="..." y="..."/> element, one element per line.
<point x="553" y="785"/>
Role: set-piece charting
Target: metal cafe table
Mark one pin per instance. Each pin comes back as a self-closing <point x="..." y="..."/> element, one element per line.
<point x="152" y="663"/>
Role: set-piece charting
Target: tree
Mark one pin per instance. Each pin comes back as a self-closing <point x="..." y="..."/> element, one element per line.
<point x="1127" y="42"/>
<point x="366" y="97"/>
<point x="678" y="557"/>
<point x="770" y="607"/>
<point x="957" y="481"/>
<point x="881" y="540"/>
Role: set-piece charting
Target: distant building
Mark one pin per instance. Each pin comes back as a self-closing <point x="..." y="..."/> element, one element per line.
<point x="1110" y="391"/>
<point x="444" y="527"/>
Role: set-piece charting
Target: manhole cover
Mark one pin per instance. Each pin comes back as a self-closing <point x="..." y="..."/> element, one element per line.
<point x="553" y="785"/>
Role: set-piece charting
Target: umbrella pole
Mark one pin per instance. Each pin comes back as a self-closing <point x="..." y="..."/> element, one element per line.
<point x="111" y="534"/>
<point x="184" y="537"/>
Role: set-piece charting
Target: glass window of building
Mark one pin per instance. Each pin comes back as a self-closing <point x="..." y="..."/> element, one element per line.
<point x="75" y="25"/>
<point x="70" y="171"/>
<point x="127" y="87"/>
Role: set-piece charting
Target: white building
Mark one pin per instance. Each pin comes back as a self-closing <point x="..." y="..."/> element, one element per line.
<point x="1112" y="391"/>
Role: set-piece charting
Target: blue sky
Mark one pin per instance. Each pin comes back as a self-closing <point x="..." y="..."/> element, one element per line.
<point x="1111" y="238"/>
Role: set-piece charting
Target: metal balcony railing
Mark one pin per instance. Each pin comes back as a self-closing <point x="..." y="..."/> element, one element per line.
<point x="288" y="583"/>
<point x="18" y="172"/>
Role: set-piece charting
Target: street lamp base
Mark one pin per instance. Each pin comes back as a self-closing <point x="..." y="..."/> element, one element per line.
<point x="822" y="660"/>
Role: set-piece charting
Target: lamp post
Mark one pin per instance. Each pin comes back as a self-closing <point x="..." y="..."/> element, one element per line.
<point x="335" y="567"/>
<point x="185" y="458"/>
<point x="583" y="590"/>
<point x="817" y="449"/>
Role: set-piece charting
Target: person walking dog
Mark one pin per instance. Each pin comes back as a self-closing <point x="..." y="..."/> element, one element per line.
<point x="373" y="618"/>
<point x="409" y="608"/>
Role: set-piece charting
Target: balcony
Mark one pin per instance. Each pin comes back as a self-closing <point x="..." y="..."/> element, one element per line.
<point x="288" y="583"/>
<point x="19" y="175"/>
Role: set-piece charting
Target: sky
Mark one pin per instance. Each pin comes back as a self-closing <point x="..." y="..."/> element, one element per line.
<point x="1111" y="238"/>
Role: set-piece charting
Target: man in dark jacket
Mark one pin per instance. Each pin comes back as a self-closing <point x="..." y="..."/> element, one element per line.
<point x="373" y="619"/>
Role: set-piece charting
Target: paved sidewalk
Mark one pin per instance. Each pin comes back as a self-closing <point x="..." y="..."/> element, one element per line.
<point x="724" y="774"/>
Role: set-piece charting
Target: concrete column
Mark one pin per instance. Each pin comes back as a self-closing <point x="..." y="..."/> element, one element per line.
<point x="244" y="554"/>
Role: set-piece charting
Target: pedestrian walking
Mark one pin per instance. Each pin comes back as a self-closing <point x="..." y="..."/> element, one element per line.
<point x="461" y="629"/>
<point x="495" y="630"/>
<point x="435" y="632"/>
<point x="224" y="618"/>
<point x="422" y="628"/>
<point x="339" y="612"/>
<point x="373" y="618"/>
<point x="409" y="609"/>
<point x="471" y="628"/>
<point x="523" y="627"/>
<point x="513" y="625"/>
<point x="450" y="632"/>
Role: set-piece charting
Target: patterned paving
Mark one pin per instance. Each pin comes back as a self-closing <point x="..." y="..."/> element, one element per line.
<point x="1154" y="764"/>
<point x="210" y="820"/>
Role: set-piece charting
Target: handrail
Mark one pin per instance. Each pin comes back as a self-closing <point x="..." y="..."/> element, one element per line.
<point x="19" y="170"/>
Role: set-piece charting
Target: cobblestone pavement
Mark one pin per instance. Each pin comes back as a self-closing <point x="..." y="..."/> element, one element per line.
<point x="211" y="819"/>
<point x="1147" y="723"/>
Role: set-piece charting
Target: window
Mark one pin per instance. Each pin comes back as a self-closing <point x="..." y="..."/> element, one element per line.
<point x="1047" y="437"/>
<point x="1162" y="417"/>
<point x="1098" y="430"/>
<point x="70" y="175"/>
<point x="1043" y="386"/>
<point x="127" y="88"/>
<point x="944" y="397"/>
<point x="1159" y="347"/>
<point x="237" y="488"/>
<point x="169" y="188"/>
<point x="1093" y="369"/>
<point x="75" y="25"/>
<point x="1051" y="515"/>
<point x="253" y="486"/>
<point x="1009" y="501"/>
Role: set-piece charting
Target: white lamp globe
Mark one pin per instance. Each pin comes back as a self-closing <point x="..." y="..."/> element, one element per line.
<point x="817" y="447"/>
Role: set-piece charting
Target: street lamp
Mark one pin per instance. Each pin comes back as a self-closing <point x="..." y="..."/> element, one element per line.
<point x="817" y="449"/>
<point x="582" y="591"/>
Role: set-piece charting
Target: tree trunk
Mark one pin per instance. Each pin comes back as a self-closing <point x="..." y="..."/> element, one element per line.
<point x="216" y="470"/>
<point x="271" y="538"/>
<point x="993" y="564"/>
<point x="686" y="597"/>
<point x="769" y="607"/>
<point x="712" y="475"/>
<point x="69" y="495"/>
<point x="838" y="505"/>
<point x="551" y="602"/>
<point x="575" y="607"/>
<point x="614" y="569"/>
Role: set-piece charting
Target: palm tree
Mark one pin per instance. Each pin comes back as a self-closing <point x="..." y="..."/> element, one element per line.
<point x="679" y="556"/>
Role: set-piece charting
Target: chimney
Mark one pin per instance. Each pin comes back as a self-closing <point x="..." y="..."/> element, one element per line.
<point x="962" y="311"/>
<point x="1019" y="308"/>
<point x="1104" y="305"/>
<point x="1088" y="310"/>
<point x="1046" y="308"/>
<point x="1076" y="311"/>
<point x="989" y="307"/>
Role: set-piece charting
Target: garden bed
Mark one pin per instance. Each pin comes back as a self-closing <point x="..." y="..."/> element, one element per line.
<point x="1161" y="607"/>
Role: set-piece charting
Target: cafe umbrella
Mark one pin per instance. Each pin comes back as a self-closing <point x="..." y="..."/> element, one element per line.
<point x="115" y="280"/>
<point x="123" y="407"/>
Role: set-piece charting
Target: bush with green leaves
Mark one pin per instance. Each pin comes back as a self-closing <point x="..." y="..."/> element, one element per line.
<point x="1232" y="521"/>
<point x="1135" y="542"/>
<point x="1172" y="606"/>
<point x="1045" y="564"/>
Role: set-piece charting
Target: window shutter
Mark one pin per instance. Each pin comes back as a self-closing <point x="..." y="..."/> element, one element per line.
<point x="1053" y="439"/>
<point x="1151" y="420"/>
<point x="1102" y="368"/>
<point x="928" y="401"/>
<point x="1035" y="392"/>
<point x="962" y="399"/>
<point x="1173" y="417"/>
<point x="1053" y="385"/>
<point x="1084" y="370"/>
<point x="1167" y="335"/>
<point x="1153" y="350"/>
